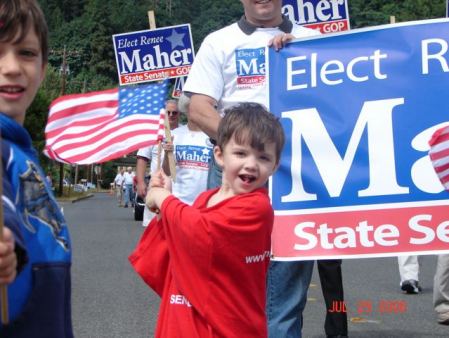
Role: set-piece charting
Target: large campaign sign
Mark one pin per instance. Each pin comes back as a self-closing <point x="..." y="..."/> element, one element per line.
<point x="358" y="110"/>
<point x="153" y="55"/>
<point x="327" y="16"/>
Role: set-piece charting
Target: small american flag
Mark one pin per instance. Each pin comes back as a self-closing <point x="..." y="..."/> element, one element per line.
<point x="439" y="154"/>
<point x="99" y="126"/>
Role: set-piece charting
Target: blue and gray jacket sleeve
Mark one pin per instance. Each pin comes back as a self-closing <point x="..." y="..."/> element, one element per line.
<point x="10" y="217"/>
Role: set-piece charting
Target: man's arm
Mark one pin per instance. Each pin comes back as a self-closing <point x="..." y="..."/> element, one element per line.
<point x="202" y="111"/>
<point x="141" y="167"/>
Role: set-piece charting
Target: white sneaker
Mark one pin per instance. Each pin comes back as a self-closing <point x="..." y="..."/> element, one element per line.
<point x="443" y="318"/>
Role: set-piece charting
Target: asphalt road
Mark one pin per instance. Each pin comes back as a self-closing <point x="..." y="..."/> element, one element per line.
<point x="110" y="300"/>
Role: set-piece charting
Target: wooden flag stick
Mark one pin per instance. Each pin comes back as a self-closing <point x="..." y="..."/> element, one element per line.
<point x="168" y="138"/>
<point x="169" y="154"/>
<point x="159" y="156"/>
<point x="3" y="289"/>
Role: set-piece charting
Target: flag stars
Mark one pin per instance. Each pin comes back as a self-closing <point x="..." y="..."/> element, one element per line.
<point x="142" y="99"/>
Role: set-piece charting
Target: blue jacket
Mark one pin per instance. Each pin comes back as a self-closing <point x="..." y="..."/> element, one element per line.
<point x="40" y="296"/>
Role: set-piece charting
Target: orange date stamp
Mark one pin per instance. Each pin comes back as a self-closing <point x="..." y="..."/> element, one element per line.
<point x="368" y="306"/>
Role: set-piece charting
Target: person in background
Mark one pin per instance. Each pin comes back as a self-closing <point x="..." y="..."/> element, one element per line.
<point x="149" y="155"/>
<point x="49" y="180"/>
<point x="192" y="151"/>
<point x="441" y="290"/>
<point x="118" y="184"/>
<point x="409" y="273"/>
<point x="438" y="155"/>
<point x="128" y="179"/>
<point x="35" y="253"/>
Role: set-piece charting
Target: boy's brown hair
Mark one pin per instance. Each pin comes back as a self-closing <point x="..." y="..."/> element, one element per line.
<point x="19" y="16"/>
<point x="251" y="123"/>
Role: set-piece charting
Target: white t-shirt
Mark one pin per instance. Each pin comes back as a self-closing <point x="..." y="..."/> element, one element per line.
<point x="230" y="65"/>
<point x="150" y="153"/>
<point x="119" y="179"/>
<point x="192" y="152"/>
<point x="128" y="178"/>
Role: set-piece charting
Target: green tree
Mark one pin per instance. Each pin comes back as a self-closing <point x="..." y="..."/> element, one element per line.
<point x="98" y="24"/>
<point x="365" y="13"/>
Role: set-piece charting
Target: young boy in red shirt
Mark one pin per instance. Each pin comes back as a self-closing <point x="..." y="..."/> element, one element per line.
<point x="208" y="262"/>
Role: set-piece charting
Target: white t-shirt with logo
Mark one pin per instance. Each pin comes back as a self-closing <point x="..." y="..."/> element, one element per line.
<point x="230" y="65"/>
<point x="192" y="152"/>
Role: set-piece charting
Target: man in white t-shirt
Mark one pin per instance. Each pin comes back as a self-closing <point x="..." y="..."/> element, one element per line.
<point x="128" y="180"/>
<point x="149" y="155"/>
<point x="192" y="152"/>
<point x="118" y="184"/>
<point x="230" y="68"/>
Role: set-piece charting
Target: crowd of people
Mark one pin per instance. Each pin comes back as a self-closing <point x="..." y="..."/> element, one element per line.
<point x="208" y="225"/>
<point x="125" y="184"/>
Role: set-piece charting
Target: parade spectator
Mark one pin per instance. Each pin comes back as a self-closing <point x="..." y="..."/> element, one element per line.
<point x="214" y="83"/>
<point x="118" y="185"/>
<point x="438" y="155"/>
<point x="211" y="258"/>
<point x="150" y="155"/>
<point x="128" y="179"/>
<point x="38" y="274"/>
<point x="441" y="290"/>
<point x="192" y="151"/>
<point x="49" y="179"/>
<point x="409" y="274"/>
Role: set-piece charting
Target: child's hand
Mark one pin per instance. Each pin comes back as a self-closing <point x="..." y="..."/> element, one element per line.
<point x="160" y="188"/>
<point x="160" y="180"/>
<point x="8" y="258"/>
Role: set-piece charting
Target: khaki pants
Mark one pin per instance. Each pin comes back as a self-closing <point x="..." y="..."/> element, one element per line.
<point x="119" y="192"/>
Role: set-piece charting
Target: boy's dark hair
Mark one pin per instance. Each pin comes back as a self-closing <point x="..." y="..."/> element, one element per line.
<point x="19" y="16"/>
<point x="253" y="124"/>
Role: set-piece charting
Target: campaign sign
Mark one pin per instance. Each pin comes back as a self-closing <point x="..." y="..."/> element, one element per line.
<point x="177" y="88"/>
<point x="190" y="156"/>
<point x="250" y="66"/>
<point x="327" y="16"/>
<point x="153" y="55"/>
<point x="359" y="108"/>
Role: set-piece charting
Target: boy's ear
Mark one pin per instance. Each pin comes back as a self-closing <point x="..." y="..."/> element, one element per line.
<point x="218" y="154"/>
<point x="44" y="71"/>
<point x="276" y="167"/>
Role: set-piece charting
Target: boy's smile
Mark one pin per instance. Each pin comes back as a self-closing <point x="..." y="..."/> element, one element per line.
<point x="245" y="168"/>
<point x="21" y="73"/>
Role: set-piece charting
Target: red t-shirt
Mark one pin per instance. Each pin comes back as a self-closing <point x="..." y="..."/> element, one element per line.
<point x="209" y="265"/>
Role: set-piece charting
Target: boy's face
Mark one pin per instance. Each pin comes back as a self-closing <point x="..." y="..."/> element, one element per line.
<point x="245" y="168"/>
<point x="21" y="73"/>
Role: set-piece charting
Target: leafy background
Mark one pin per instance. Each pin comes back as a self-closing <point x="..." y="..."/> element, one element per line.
<point x="84" y="28"/>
